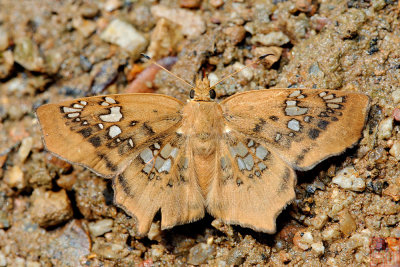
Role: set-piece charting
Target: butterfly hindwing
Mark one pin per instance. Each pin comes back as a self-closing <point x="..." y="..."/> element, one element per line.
<point x="103" y="133"/>
<point x="304" y="126"/>
<point x="252" y="184"/>
<point x="161" y="177"/>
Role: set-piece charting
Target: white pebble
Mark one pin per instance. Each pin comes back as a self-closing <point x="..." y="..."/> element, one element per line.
<point x="3" y="260"/>
<point x="271" y="39"/>
<point x="385" y="128"/>
<point x="395" y="150"/>
<point x="318" y="248"/>
<point x="25" y="148"/>
<point x="246" y="73"/>
<point x="347" y="179"/>
<point x="126" y="36"/>
<point x="396" y="96"/>
<point x="100" y="227"/>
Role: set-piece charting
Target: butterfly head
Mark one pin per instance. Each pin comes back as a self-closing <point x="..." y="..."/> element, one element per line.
<point x="202" y="91"/>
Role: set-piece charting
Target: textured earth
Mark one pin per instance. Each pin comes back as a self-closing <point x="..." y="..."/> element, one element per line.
<point x="346" y="210"/>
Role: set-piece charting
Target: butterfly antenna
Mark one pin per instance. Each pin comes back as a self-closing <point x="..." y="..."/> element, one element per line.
<point x="245" y="67"/>
<point x="155" y="63"/>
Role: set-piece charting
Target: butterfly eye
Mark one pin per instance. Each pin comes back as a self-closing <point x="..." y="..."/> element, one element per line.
<point x="212" y="94"/>
<point x="191" y="94"/>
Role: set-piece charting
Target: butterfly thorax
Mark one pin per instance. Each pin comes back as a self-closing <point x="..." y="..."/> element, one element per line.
<point x="203" y="127"/>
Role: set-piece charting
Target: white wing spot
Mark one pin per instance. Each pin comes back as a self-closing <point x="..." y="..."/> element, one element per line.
<point x="130" y="142"/>
<point x="295" y="111"/>
<point x="105" y="104"/>
<point x="83" y="102"/>
<point x="114" y="116"/>
<point x="328" y="97"/>
<point x="295" y="93"/>
<point x="77" y="119"/>
<point x="67" y="109"/>
<point x="110" y="100"/>
<point x="78" y="106"/>
<point x="118" y="140"/>
<point x="251" y="143"/>
<point x="174" y="152"/>
<point x="166" y="151"/>
<point x="261" y="152"/>
<point x="261" y="166"/>
<point x="166" y="166"/>
<point x="73" y="115"/>
<point x="335" y="100"/>
<point x="241" y="164"/>
<point x="114" y="131"/>
<point x="159" y="163"/>
<point x="333" y="105"/>
<point x="278" y="137"/>
<point x="294" y="125"/>
<point x="322" y="94"/>
<point x="307" y="118"/>
<point x="249" y="162"/>
<point x="227" y="129"/>
<point x="146" y="155"/>
<point x="241" y="149"/>
<point x="300" y="97"/>
<point x="85" y="123"/>
<point x="101" y="126"/>
<point x="147" y="168"/>
<point x="157" y="145"/>
<point x="291" y="103"/>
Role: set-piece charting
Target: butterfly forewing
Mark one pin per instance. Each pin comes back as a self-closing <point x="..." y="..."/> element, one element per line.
<point x="303" y="126"/>
<point x="161" y="177"/>
<point x="104" y="133"/>
<point x="252" y="184"/>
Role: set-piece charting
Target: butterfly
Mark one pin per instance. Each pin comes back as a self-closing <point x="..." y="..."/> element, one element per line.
<point x="235" y="159"/>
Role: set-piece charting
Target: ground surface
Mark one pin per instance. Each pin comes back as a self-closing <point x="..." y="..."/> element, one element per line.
<point x="52" y="213"/>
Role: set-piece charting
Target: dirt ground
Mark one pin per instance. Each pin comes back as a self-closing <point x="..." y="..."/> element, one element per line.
<point x="53" y="213"/>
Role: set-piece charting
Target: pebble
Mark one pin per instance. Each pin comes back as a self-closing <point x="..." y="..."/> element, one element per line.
<point x="157" y="251"/>
<point x="26" y="53"/>
<point x="25" y="148"/>
<point x="200" y="253"/>
<point x="393" y="190"/>
<point x="155" y="231"/>
<point x="235" y="34"/>
<point x="50" y="208"/>
<point x="4" y="222"/>
<point x="164" y="39"/>
<point x="14" y="178"/>
<point x="319" y="221"/>
<point x="396" y="96"/>
<point x="331" y="233"/>
<point x="110" y="250"/>
<point x="100" y="227"/>
<point x="4" y="39"/>
<point x="347" y="179"/>
<point x="357" y="240"/>
<point x="270" y="39"/>
<point x="395" y="150"/>
<point x="33" y="264"/>
<point x="126" y="36"/>
<point x="396" y="114"/>
<point x="6" y="63"/>
<point x="385" y="128"/>
<point x="112" y="5"/>
<point x="318" y="248"/>
<point x="84" y="26"/>
<point x="3" y="260"/>
<point x="263" y="50"/>
<point x="190" y="3"/>
<point x="303" y="240"/>
<point x="246" y="73"/>
<point x="192" y="24"/>
<point x="216" y="3"/>
<point x="106" y="74"/>
<point x="347" y="224"/>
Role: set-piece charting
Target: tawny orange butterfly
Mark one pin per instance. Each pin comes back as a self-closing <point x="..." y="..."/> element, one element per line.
<point x="234" y="159"/>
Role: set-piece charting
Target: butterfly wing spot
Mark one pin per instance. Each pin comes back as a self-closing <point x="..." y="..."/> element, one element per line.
<point x="95" y="141"/>
<point x="101" y="126"/>
<point x="313" y="133"/>
<point x="114" y="116"/>
<point x="322" y="124"/>
<point x="114" y="131"/>
<point x="110" y="100"/>
<point x="259" y="126"/>
<point x="294" y="125"/>
<point x="69" y="110"/>
<point x="86" y="132"/>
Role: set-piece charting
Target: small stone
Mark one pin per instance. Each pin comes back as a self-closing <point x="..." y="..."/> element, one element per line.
<point x="235" y="34"/>
<point x="100" y="227"/>
<point x="155" y="231"/>
<point x="396" y="96"/>
<point x="270" y="39"/>
<point x="347" y="179"/>
<point x="190" y="3"/>
<point x="347" y="224"/>
<point x="110" y="250"/>
<point x="126" y="36"/>
<point x="4" y="39"/>
<point x="303" y="240"/>
<point x="84" y="26"/>
<point x="395" y="150"/>
<point x="89" y="9"/>
<point x="378" y="4"/>
<point x="4" y="222"/>
<point x="3" y="260"/>
<point x="33" y="264"/>
<point x="274" y="53"/>
<point x="318" y="248"/>
<point x="319" y="221"/>
<point x="192" y="24"/>
<point x="14" y="177"/>
<point x="6" y="63"/>
<point x="50" y="208"/>
<point x="26" y="53"/>
<point x="200" y="253"/>
<point x="385" y="128"/>
<point x="216" y="3"/>
<point x="25" y="148"/>
<point x="393" y="190"/>
<point x="247" y="73"/>
<point x="112" y="5"/>
<point x="396" y="114"/>
<point x="331" y="233"/>
<point x="357" y="240"/>
<point x="157" y="251"/>
<point x="165" y="38"/>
